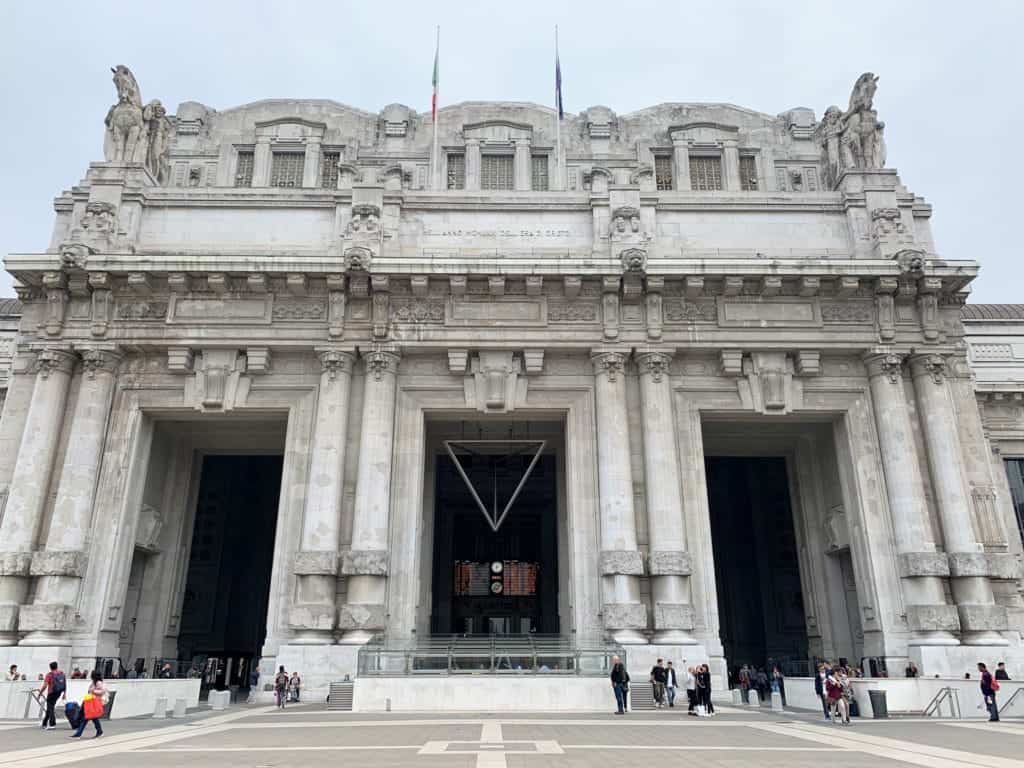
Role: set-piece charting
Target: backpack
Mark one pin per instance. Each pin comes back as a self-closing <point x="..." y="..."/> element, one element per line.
<point x="59" y="683"/>
<point x="994" y="684"/>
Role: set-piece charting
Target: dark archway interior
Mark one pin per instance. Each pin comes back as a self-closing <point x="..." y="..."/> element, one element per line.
<point x="760" y="600"/>
<point x="224" y="615"/>
<point x="466" y="548"/>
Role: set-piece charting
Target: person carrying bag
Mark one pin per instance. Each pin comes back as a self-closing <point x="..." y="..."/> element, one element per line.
<point x="92" y="706"/>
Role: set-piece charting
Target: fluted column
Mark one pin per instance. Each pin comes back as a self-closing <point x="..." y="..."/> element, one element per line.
<point x="921" y="567"/>
<point x="980" y="617"/>
<point x="669" y="565"/>
<point x="30" y="483"/>
<point x="625" y="616"/>
<point x="366" y="563"/>
<point x="12" y="420"/>
<point x="49" y="619"/>
<point x="316" y="563"/>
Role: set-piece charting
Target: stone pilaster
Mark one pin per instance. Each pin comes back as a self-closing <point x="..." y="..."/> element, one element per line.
<point x="921" y="568"/>
<point x="980" y="618"/>
<point x="30" y="482"/>
<point x="12" y="417"/>
<point x="625" y="616"/>
<point x="521" y="165"/>
<point x="472" y="161"/>
<point x="313" y="614"/>
<point x="60" y="566"/>
<point x="669" y="559"/>
<point x="366" y="564"/>
<point x="681" y="161"/>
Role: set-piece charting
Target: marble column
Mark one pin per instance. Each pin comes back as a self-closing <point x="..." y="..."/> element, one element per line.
<point x="12" y="417"/>
<point x="366" y="563"/>
<point x="625" y="616"/>
<point x="313" y="614"/>
<point x="669" y="560"/>
<point x="30" y="483"/>
<point x="49" y="619"/>
<point x="921" y="567"/>
<point x="980" y="617"/>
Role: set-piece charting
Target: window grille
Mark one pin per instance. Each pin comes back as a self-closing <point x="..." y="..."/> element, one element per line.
<point x="456" y="171"/>
<point x="286" y="169"/>
<point x="243" y="173"/>
<point x="663" y="173"/>
<point x="539" y="172"/>
<point x="574" y="178"/>
<point x="748" y="173"/>
<point x="706" y="173"/>
<point x="329" y="169"/>
<point x="496" y="172"/>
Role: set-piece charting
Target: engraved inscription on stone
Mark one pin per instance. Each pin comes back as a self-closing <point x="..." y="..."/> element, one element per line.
<point x="682" y="311"/>
<point x="220" y="311"/>
<point x="470" y="310"/>
<point x="142" y="310"/>
<point x="767" y="313"/>
<point x="847" y="312"/>
<point x="299" y="310"/>
<point x="573" y="311"/>
<point x="417" y="311"/>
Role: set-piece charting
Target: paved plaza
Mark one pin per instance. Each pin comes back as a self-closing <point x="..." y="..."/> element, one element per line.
<point x="260" y="737"/>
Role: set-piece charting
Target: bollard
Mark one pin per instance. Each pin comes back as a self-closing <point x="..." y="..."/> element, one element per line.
<point x="180" y="708"/>
<point x="777" y="702"/>
<point x="753" y="698"/>
<point x="737" y="696"/>
<point x="219" y="700"/>
<point x="160" y="708"/>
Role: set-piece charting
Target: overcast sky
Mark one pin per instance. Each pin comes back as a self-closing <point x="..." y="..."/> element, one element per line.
<point x="950" y="88"/>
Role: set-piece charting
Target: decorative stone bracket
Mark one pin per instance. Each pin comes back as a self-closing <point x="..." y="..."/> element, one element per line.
<point x="669" y="563"/>
<point x="673" y="616"/>
<point x="57" y="563"/>
<point x="15" y="563"/>
<point x="624" y="615"/>
<point x="315" y="564"/>
<point x="994" y="565"/>
<point x="983" y="617"/>
<point x="361" y="616"/>
<point x="365" y="562"/>
<point x="913" y="564"/>
<point x="933" y="618"/>
<point x="46" y="617"/>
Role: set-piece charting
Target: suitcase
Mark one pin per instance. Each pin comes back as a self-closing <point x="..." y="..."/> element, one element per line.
<point x="73" y="712"/>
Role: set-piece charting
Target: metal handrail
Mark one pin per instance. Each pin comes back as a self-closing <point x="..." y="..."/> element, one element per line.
<point x="949" y="694"/>
<point x="1010" y="700"/>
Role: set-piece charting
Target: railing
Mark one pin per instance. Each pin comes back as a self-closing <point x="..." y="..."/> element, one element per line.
<point x="1010" y="700"/>
<point x="483" y="655"/>
<point x="945" y="695"/>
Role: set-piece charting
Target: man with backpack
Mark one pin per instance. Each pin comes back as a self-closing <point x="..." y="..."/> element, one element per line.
<point x="55" y="684"/>
<point x="989" y="686"/>
<point x="281" y="687"/>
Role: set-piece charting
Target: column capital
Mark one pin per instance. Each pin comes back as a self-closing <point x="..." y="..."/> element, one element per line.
<point x="882" y="363"/>
<point x="336" y="360"/>
<point x="608" y="362"/>
<point x="654" y="363"/>
<point x="381" y="360"/>
<point x="99" y="360"/>
<point x="54" y="359"/>
<point x="931" y="365"/>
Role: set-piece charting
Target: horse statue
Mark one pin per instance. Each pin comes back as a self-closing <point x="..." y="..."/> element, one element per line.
<point x="862" y="142"/>
<point x="125" y="140"/>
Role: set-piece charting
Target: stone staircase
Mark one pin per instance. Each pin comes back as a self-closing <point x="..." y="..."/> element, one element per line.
<point x="340" y="697"/>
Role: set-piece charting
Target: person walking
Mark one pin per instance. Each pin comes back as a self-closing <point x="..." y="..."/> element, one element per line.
<point x="1001" y="671"/>
<point x="779" y="682"/>
<point x="837" y="702"/>
<point x="658" y="678"/>
<point x="294" y="686"/>
<point x="691" y="691"/>
<point x="254" y="682"/>
<point x="989" y="686"/>
<point x="819" y="688"/>
<point x="281" y="687"/>
<point x="620" y="684"/>
<point x="92" y="712"/>
<point x="55" y="684"/>
<point x="671" y="684"/>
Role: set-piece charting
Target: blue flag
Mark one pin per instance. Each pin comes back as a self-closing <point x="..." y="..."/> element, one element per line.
<point x="558" y="86"/>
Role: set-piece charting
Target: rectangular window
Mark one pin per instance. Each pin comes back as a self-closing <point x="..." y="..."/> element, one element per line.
<point x="539" y="172"/>
<point x="811" y="176"/>
<point x="663" y="173"/>
<point x="780" y="179"/>
<point x="329" y="169"/>
<point x="456" y="171"/>
<point x="706" y="173"/>
<point x="243" y="171"/>
<point x="286" y="169"/>
<point x="496" y="172"/>
<point x="1015" y="474"/>
<point x="748" y="173"/>
<point x="574" y="178"/>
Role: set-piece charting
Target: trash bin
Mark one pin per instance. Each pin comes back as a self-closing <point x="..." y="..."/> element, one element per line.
<point x="879" y="708"/>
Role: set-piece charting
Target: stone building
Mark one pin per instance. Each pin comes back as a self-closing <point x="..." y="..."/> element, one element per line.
<point x="689" y="381"/>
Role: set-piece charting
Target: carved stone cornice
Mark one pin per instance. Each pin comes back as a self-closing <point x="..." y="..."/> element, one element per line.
<point x="54" y="359"/>
<point x="932" y="366"/>
<point x="888" y="364"/>
<point x="335" y="362"/>
<point x="381" y="362"/>
<point x="99" y="360"/>
<point x="608" y="363"/>
<point x="654" y="364"/>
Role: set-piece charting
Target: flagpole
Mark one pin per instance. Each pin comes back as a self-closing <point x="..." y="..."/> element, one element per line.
<point x="558" y="121"/>
<point x="436" y="165"/>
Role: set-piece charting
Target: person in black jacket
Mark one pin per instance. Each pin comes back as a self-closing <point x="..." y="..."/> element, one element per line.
<point x="704" y="689"/>
<point x="1001" y="671"/>
<point x="620" y="683"/>
<point x="988" y="692"/>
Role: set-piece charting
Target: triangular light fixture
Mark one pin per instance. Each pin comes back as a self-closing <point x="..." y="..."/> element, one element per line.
<point x="493" y="515"/>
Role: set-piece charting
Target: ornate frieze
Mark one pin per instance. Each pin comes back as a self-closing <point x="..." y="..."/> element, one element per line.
<point x="142" y="310"/>
<point x="689" y="311"/>
<point x="846" y="312"/>
<point x="573" y="311"/>
<point x="299" y="309"/>
<point x="417" y="310"/>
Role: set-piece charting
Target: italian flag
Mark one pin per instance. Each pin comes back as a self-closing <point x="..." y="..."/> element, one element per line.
<point x="434" y="80"/>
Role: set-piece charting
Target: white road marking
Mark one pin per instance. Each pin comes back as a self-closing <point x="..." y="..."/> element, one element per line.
<point x="892" y="749"/>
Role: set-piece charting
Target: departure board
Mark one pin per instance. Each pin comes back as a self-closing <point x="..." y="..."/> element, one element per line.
<point x="508" y="578"/>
